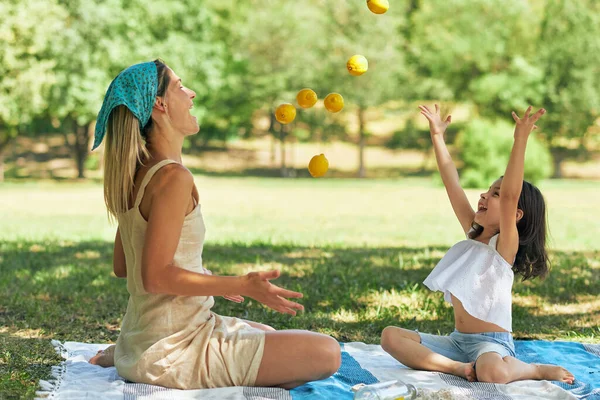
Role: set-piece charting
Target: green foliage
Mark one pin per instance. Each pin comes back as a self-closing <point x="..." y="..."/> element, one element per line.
<point x="242" y="58"/>
<point x="475" y="38"/>
<point x="92" y="163"/>
<point x="410" y="138"/>
<point x="570" y="56"/>
<point x="485" y="149"/>
<point x="27" y="67"/>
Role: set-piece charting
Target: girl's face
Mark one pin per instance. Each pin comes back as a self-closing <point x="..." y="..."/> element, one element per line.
<point x="488" y="208"/>
<point x="178" y="100"/>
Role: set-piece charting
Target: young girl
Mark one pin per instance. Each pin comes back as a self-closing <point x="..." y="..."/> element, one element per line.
<point x="506" y="235"/>
<point x="169" y="335"/>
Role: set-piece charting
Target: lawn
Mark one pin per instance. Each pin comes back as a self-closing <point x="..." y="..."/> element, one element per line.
<point x="358" y="250"/>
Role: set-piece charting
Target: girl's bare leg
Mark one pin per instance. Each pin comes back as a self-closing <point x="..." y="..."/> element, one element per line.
<point x="491" y="367"/>
<point x="405" y="346"/>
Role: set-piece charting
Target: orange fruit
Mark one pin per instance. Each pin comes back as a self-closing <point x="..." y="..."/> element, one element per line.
<point x="357" y="65"/>
<point x="306" y="98"/>
<point x="378" y="6"/>
<point x="318" y="166"/>
<point x="334" y="102"/>
<point x="285" y="113"/>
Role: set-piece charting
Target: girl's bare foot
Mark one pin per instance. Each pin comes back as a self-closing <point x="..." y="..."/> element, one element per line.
<point x="104" y="358"/>
<point x="554" y="373"/>
<point x="465" y="370"/>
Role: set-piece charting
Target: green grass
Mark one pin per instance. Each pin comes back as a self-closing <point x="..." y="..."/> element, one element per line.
<point x="358" y="250"/>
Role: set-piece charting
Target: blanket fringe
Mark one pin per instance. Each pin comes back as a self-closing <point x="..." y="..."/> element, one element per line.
<point x="50" y="387"/>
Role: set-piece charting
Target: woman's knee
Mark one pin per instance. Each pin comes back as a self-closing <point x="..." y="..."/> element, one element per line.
<point x="329" y="354"/>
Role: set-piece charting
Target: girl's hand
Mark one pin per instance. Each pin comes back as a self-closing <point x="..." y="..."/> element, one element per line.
<point x="436" y="125"/>
<point x="526" y="124"/>
<point x="234" y="298"/>
<point x="257" y="286"/>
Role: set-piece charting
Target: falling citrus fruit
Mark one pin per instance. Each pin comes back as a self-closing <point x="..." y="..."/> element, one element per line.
<point x="318" y="166"/>
<point x="378" y="6"/>
<point x="334" y="102"/>
<point x="306" y="98"/>
<point x="357" y="65"/>
<point x="285" y="113"/>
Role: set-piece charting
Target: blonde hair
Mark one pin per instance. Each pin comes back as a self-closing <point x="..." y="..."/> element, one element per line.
<point x="125" y="149"/>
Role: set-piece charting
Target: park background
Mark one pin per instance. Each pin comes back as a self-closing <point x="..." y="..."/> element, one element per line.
<point x="359" y="242"/>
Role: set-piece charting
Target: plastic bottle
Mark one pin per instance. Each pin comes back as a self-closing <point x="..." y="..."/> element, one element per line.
<point x="392" y="390"/>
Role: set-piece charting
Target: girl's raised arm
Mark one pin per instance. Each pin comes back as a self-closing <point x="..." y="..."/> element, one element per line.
<point x="460" y="204"/>
<point x="512" y="184"/>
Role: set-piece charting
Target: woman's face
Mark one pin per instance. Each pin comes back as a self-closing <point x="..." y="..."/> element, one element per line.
<point x="178" y="100"/>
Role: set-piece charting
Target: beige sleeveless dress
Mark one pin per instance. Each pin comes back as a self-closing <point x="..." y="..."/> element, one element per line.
<point x="176" y="341"/>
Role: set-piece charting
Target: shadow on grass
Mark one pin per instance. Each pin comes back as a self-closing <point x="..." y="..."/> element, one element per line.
<point x="68" y="290"/>
<point x="23" y="361"/>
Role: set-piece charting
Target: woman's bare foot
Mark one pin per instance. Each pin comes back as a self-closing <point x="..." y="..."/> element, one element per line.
<point x="465" y="370"/>
<point x="554" y="373"/>
<point x="104" y="358"/>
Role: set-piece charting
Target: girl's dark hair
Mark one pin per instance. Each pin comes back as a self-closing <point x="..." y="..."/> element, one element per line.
<point x="163" y="79"/>
<point x="532" y="259"/>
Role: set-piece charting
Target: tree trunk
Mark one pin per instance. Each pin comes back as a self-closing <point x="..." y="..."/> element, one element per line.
<point x="1" y="165"/>
<point x="282" y="135"/>
<point x="79" y="147"/>
<point x="273" y="140"/>
<point x="82" y="140"/>
<point x="3" y="148"/>
<point x="361" y="142"/>
<point x="557" y="160"/>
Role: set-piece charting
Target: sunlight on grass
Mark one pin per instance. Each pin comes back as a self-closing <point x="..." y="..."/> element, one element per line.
<point x="357" y="250"/>
<point x="344" y="316"/>
<point x="409" y="212"/>
<point x="60" y="272"/>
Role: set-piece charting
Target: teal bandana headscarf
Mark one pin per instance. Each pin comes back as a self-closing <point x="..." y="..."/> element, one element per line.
<point x="135" y="88"/>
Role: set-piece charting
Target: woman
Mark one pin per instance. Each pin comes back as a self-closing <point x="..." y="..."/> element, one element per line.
<point x="169" y="336"/>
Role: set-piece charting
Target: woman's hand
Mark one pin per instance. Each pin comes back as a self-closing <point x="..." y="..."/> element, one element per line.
<point x="527" y="124"/>
<point x="234" y="298"/>
<point x="436" y="125"/>
<point x="257" y="286"/>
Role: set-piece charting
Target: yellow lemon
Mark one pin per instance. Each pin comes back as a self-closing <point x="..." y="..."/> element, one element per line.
<point x="285" y="113"/>
<point x="357" y="65"/>
<point x="306" y="98"/>
<point x="378" y="6"/>
<point x="318" y="166"/>
<point x="334" y="102"/>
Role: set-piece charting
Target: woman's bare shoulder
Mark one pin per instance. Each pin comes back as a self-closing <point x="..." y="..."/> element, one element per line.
<point x="168" y="180"/>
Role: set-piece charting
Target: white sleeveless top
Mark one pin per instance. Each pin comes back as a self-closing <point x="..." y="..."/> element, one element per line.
<point x="477" y="275"/>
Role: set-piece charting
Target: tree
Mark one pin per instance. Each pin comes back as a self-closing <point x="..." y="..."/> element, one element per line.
<point x="26" y="71"/>
<point x="352" y="29"/>
<point x="504" y="56"/>
<point x="569" y="44"/>
<point x="277" y="40"/>
<point x="90" y="50"/>
<point x="101" y="38"/>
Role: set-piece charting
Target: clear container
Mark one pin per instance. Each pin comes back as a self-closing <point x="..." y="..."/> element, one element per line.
<point x="392" y="390"/>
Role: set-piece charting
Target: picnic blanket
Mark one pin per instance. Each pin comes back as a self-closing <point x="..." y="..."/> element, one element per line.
<point x="75" y="378"/>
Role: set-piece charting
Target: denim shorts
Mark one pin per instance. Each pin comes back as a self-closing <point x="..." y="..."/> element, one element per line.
<point x="467" y="347"/>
